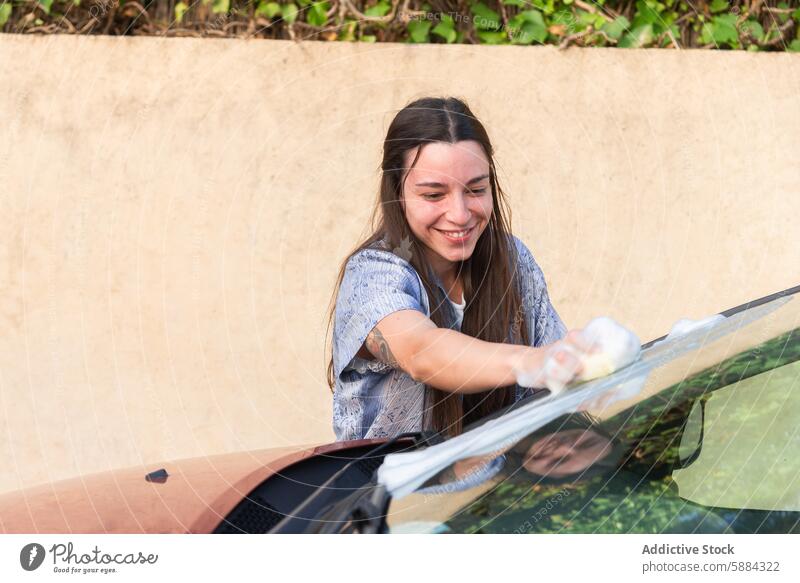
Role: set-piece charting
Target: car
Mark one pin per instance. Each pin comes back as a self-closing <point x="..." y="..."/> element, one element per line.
<point x="698" y="435"/>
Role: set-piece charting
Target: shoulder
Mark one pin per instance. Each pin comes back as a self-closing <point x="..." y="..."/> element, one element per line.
<point x="379" y="258"/>
<point x="524" y="256"/>
<point x="376" y="269"/>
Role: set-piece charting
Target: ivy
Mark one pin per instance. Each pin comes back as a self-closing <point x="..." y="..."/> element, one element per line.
<point x="46" y="5"/>
<point x="221" y="6"/>
<point x="446" y="29"/>
<point x="721" y="31"/>
<point x="5" y="13"/>
<point x="616" y="28"/>
<point x="419" y="30"/>
<point x="380" y="9"/>
<point x="485" y="17"/>
<point x="318" y="14"/>
<point x="289" y="12"/>
<point x="180" y="10"/>
<point x="268" y="9"/>
<point x="527" y="27"/>
<point x="768" y="25"/>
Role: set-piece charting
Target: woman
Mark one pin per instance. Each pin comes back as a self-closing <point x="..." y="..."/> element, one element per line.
<point x="441" y="311"/>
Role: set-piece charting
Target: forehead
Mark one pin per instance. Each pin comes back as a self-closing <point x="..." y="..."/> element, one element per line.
<point x="447" y="163"/>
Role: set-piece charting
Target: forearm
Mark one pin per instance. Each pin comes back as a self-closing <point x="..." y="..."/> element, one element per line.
<point x="458" y="363"/>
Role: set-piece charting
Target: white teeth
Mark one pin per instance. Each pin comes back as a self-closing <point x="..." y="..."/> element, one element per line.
<point x="456" y="235"/>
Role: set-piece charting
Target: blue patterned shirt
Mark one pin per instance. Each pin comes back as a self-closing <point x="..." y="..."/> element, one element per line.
<point x="373" y="399"/>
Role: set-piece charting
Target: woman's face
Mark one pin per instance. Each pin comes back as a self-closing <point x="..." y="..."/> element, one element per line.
<point x="447" y="199"/>
<point x="566" y="452"/>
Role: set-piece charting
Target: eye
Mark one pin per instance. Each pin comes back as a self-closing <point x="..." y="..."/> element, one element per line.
<point x="432" y="196"/>
<point x="478" y="191"/>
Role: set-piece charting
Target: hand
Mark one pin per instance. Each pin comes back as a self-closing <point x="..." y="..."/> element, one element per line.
<point x="556" y="365"/>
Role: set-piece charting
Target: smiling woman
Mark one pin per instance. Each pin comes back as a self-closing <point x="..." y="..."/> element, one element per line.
<point x="440" y="308"/>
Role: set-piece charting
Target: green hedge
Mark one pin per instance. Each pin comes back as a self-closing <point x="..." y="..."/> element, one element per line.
<point x="754" y="25"/>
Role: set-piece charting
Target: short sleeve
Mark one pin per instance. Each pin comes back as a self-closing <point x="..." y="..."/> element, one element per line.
<point x="545" y="325"/>
<point x="375" y="284"/>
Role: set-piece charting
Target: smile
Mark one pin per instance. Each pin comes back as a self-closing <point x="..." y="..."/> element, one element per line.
<point x="457" y="236"/>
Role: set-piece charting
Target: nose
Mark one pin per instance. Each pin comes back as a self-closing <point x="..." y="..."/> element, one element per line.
<point x="457" y="211"/>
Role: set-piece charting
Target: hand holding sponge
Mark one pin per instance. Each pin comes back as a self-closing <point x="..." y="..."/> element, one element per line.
<point x="599" y="349"/>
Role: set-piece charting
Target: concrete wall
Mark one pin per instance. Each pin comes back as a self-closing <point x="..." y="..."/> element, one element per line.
<point x="174" y="212"/>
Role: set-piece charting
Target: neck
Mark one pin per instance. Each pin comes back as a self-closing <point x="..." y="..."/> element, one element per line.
<point x="449" y="274"/>
<point x="447" y="271"/>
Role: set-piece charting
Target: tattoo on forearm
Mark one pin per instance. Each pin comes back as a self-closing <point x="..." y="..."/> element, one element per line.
<point x="378" y="344"/>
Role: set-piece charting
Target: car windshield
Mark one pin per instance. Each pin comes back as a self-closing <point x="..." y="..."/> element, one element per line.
<point x="699" y="435"/>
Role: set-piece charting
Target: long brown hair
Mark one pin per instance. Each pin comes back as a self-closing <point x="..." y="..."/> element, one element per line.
<point x="494" y="306"/>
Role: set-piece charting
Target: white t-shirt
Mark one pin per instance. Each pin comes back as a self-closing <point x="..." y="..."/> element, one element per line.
<point x="459" y="310"/>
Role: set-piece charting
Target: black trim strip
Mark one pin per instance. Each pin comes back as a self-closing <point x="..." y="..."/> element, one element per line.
<point x="751" y="304"/>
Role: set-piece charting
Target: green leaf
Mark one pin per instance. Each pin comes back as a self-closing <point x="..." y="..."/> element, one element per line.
<point x="489" y="37"/>
<point x="289" y="12"/>
<point x="318" y="14"/>
<point x="666" y="40"/>
<point x="46" y="4"/>
<point x="348" y="31"/>
<point x="721" y="30"/>
<point x="380" y="9"/>
<point x="368" y="38"/>
<point x="220" y="6"/>
<point x="783" y="16"/>
<point x="446" y="29"/>
<point x="639" y="37"/>
<point x="754" y="28"/>
<point x="180" y="10"/>
<point x="617" y="28"/>
<point x="565" y="18"/>
<point x="5" y="13"/>
<point x="585" y="18"/>
<point x="794" y="46"/>
<point x="268" y="9"/>
<point x="599" y="21"/>
<point x="527" y="27"/>
<point x="718" y="6"/>
<point x="419" y="30"/>
<point x="520" y="3"/>
<point x="485" y="17"/>
<point x="647" y="14"/>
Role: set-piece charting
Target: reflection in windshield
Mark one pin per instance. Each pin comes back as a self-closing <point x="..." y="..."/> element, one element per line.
<point x="567" y="452"/>
<point x="572" y="447"/>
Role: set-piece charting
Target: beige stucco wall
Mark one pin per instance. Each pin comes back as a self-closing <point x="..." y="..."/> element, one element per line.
<point x="174" y="211"/>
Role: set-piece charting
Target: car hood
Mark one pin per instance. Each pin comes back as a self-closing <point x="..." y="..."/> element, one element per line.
<point x="197" y="494"/>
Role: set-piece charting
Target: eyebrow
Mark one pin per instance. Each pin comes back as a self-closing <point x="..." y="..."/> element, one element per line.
<point x="440" y="185"/>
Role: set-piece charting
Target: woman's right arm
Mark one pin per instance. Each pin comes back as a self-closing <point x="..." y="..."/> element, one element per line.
<point x="449" y="360"/>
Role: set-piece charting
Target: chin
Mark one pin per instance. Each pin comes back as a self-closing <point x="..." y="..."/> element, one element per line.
<point x="456" y="254"/>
